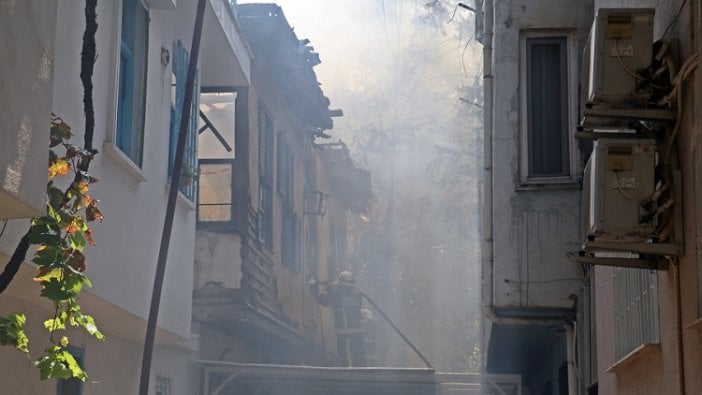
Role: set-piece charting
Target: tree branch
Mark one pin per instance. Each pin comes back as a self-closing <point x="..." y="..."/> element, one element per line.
<point x="87" y="63"/>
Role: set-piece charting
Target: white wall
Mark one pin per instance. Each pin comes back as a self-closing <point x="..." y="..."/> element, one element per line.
<point x="534" y="227"/>
<point x="27" y="31"/>
<point x="122" y="265"/>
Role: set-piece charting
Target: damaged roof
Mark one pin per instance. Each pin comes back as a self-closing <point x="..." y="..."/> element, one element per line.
<point x="292" y="60"/>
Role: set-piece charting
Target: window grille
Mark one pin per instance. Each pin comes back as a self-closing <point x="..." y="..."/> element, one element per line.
<point x="636" y="309"/>
<point x="163" y="385"/>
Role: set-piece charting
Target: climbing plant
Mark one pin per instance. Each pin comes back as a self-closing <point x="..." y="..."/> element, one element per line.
<point x="60" y="238"/>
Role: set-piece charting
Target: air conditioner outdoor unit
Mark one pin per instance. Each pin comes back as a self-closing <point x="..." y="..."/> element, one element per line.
<point x="619" y="180"/>
<point x="620" y="44"/>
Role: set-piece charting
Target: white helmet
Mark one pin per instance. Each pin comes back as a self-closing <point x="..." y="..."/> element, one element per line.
<point x="345" y="276"/>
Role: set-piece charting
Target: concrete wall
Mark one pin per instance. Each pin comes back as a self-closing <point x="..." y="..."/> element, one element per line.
<point x="658" y="371"/>
<point x="534" y="225"/>
<point x="27" y="30"/>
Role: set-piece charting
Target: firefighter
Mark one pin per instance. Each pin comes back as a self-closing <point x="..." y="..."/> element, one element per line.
<point x="346" y="300"/>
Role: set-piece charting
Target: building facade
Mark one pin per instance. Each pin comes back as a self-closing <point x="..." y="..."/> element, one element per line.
<point x="634" y="318"/>
<point x="531" y="205"/>
<point x="138" y="81"/>
<point x="656" y="347"/>
<point x="272" y="205"/>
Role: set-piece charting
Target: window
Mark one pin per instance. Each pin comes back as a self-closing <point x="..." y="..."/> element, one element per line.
<point x="131" y="97"/>
<point x="548" y="108"/>
<point x="636" y="309"/>
<point x="72" y="386"/>
<point x="163" y="385"/>
<point x="265" y="177"/>
<point x="215" y="184"/>
<point x="217" y="124"/>
<point x="310" y="217"/>
<point x="179" y="72"/>
<point x="285" y="170"/>
<point x="289" y="239"/>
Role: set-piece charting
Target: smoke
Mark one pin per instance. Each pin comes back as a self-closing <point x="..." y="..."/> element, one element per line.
<point x="407" y="75"/>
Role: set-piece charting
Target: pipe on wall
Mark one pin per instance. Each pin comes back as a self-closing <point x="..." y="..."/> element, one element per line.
<point x="570" y="359"/>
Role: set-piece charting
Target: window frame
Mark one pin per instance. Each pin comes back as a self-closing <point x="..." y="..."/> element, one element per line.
<point x="163" y="385"/>
<point x="203" y="177"/>
<point x="265" y="166"/>
<point x="571" y="89"/>
<point x="285" y="177"/>
<point x="135" y="153"/>
<point x="290" y="245"/>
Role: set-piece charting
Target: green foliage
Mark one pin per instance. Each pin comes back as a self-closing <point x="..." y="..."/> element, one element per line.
<point x="61" y="237"/>
<point x="11" y="333"/>
<point x="58" y="363"/>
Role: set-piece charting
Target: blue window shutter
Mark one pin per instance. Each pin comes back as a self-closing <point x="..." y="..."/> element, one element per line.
<point x="179" y="66"/>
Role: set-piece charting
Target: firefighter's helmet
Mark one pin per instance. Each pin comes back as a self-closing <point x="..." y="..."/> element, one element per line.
<point x="345" y="276"/>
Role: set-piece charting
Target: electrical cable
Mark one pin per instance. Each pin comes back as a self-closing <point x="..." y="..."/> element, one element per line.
<point x="621" y="62"/>
<point x="676" y="96"/>
<point x="575" y="353"/>
<point x="4" y="225"/>
<point x="453" y="14"/>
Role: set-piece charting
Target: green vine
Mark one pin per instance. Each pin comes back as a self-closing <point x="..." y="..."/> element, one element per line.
<point x="61" y="237"/>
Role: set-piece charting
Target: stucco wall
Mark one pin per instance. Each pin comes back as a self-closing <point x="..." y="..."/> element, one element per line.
<point x="534" y="226"/>
<point x="112" y="365"/>
<point x="27" y="30"/>
<point x="122" y="265"/>
<point x="217" y="259"/>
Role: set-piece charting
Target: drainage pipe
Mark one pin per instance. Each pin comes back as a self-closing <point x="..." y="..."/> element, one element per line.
<point x="570" y="359"/>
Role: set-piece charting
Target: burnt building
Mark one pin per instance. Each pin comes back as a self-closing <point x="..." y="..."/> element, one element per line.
<point x="272" y="204"/>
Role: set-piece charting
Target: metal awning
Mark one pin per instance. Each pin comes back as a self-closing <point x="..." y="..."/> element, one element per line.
<point x="224" y="378"/>
<point x="232" y="378"/>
